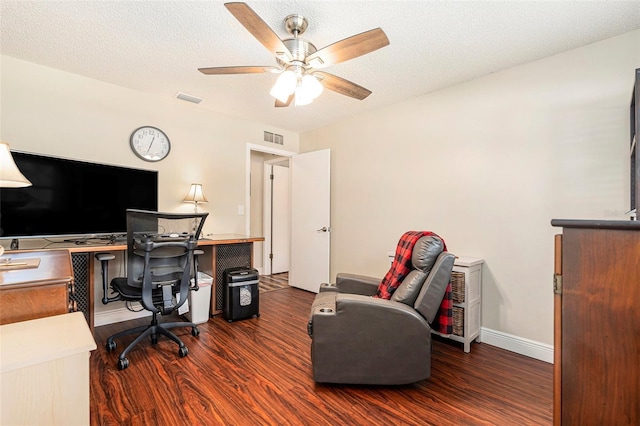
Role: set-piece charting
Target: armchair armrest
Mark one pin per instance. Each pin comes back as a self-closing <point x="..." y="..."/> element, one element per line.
<point x="382" y="320"/>
<point x="356" y="284"/>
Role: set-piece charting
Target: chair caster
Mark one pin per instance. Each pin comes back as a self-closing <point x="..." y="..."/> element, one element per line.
<point x="123" y="363"/>
<point x="195" y="331"/>
<point x="154" y="339"/>
<point x="183" y="351"/>
<point x="111" y="346"/>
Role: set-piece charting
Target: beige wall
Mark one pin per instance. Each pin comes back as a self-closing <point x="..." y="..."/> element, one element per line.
<point x="53" y="112"/>
<point x="57" y="113"/>
<point x="487" y="164"/>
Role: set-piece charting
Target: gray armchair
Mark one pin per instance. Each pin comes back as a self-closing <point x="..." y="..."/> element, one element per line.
<point x="359" y="339"/>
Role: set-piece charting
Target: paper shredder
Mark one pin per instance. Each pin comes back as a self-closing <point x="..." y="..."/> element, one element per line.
<point x="241" y="294"/>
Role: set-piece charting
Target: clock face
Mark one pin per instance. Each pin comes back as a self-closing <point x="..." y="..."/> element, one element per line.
<point x="150" y="143"/>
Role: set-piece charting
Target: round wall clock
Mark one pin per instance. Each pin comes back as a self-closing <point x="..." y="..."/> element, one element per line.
<point x="150" y="143"/>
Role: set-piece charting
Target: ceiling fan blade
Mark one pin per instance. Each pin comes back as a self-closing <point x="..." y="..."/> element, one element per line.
<point x="236" y="70"/>
<point x="259" y="29"/>
<point x="284" y="104"/>
<point x="342" y="86"/>
<point x="348" y="48"/>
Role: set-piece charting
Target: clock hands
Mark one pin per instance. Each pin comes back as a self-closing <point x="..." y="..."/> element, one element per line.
<point x="153" y="139"/>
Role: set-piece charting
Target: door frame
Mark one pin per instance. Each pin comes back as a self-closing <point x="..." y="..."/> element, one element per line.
<point x="247" y="188"/>
<point x="267" y="205"/>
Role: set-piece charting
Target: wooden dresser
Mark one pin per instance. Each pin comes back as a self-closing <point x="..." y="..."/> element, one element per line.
<point x="35" y="284"/>
<point x="597" y="323"/>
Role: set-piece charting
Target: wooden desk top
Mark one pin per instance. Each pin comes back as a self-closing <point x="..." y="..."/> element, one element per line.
<point x="54" y="267"/>
<point x="94" y="246"/>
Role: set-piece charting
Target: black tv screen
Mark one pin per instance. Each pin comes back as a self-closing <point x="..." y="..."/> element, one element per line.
<point x="70" y="197"/>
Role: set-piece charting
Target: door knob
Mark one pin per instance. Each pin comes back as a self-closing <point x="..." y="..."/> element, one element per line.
<point x="323" y="229"/>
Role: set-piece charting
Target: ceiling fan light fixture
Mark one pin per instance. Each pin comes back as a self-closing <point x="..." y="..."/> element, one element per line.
<point x="307" y="90"/>
<point x="285" y="86"/>
<point x="302" y="97"/>
<point x="311" y="85"/>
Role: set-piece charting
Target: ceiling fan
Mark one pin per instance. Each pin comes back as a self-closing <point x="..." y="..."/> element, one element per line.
<point x="299" y="61"/>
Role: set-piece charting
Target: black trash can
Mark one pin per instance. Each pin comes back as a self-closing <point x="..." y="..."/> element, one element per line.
<point x="241" y="294"/>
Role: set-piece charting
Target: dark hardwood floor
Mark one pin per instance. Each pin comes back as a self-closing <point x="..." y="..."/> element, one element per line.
<point x="258" y="372"/>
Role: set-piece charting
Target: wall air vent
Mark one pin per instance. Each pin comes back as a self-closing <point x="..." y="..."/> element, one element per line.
<point x="188" y="98"/>
<point x="273" y="138"/>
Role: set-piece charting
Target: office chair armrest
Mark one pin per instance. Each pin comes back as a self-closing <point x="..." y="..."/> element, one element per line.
<point x="104" y="259"/>
<point x="105" y="256"/>
<point x="195" y="286"/>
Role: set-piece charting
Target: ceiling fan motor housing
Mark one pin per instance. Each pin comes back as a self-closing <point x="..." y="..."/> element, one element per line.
<point x="299" y="49"/>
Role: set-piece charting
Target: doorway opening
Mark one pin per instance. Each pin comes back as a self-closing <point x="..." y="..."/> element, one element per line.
<point x="268" y="207"/>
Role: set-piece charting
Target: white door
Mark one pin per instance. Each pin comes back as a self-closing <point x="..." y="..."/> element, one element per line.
<point x="310" y="220"/>
<point x="280" y="236"/>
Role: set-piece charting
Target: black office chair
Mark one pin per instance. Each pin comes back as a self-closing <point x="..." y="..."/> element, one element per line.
<point x="161" y="260"/>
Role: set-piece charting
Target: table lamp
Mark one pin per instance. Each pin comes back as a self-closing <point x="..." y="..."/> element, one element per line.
<point x="10" y="175"/>
<point x="195" y="196"/>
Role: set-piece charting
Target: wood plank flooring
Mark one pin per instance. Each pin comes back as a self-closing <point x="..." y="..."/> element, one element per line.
<point x="258" y="372"/>
<point x="273" y="282"/>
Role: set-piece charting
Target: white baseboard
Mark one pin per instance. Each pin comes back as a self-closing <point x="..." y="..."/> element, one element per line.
<point x="117" y="315"/>
<point x="520" y="345"/>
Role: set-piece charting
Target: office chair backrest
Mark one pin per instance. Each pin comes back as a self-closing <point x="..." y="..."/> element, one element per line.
<point x="160" y="249"/>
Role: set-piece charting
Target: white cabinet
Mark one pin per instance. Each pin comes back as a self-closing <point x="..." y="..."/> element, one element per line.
<point x="466" y="280"/>
<point x="44" y="371"/>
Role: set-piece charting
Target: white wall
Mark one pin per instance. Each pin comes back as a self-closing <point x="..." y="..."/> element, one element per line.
<point x="487" y="164"/>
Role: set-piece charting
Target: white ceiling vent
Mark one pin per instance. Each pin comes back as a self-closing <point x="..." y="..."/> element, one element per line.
<point x="273" y="138"/>
<point x="188" y="98"/>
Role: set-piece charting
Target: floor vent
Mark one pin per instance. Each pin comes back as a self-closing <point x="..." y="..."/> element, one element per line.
<point x="273" y="138"/>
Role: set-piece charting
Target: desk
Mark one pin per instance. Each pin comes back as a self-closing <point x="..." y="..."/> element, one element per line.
<point x="36" y="292"/>
<point x="220" y="252"/>
<point x="44" y="371"/>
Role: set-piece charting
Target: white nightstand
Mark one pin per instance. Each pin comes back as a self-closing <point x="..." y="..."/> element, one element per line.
<point x="466" y="281"/>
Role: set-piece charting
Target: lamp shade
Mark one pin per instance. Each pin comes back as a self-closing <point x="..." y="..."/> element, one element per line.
<point x="195" y="194"/>
<point x="10" y="176"/>
<point x="285" y="86"/>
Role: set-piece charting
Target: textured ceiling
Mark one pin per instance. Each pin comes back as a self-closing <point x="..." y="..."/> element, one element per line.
<point x="157" y="46"/>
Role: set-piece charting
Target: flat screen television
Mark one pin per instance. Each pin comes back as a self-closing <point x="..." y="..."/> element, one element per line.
<point x="73" y="198"/>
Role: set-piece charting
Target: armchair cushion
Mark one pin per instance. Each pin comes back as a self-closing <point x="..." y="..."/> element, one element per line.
<point x="426" y="251"/>
<point x="407" y="292"/>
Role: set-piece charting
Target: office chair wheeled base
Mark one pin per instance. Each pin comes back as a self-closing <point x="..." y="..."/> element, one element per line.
<point x="152" y="331"/>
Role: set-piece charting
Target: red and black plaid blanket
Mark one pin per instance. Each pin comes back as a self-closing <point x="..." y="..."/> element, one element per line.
<point x="401" y="267"/>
